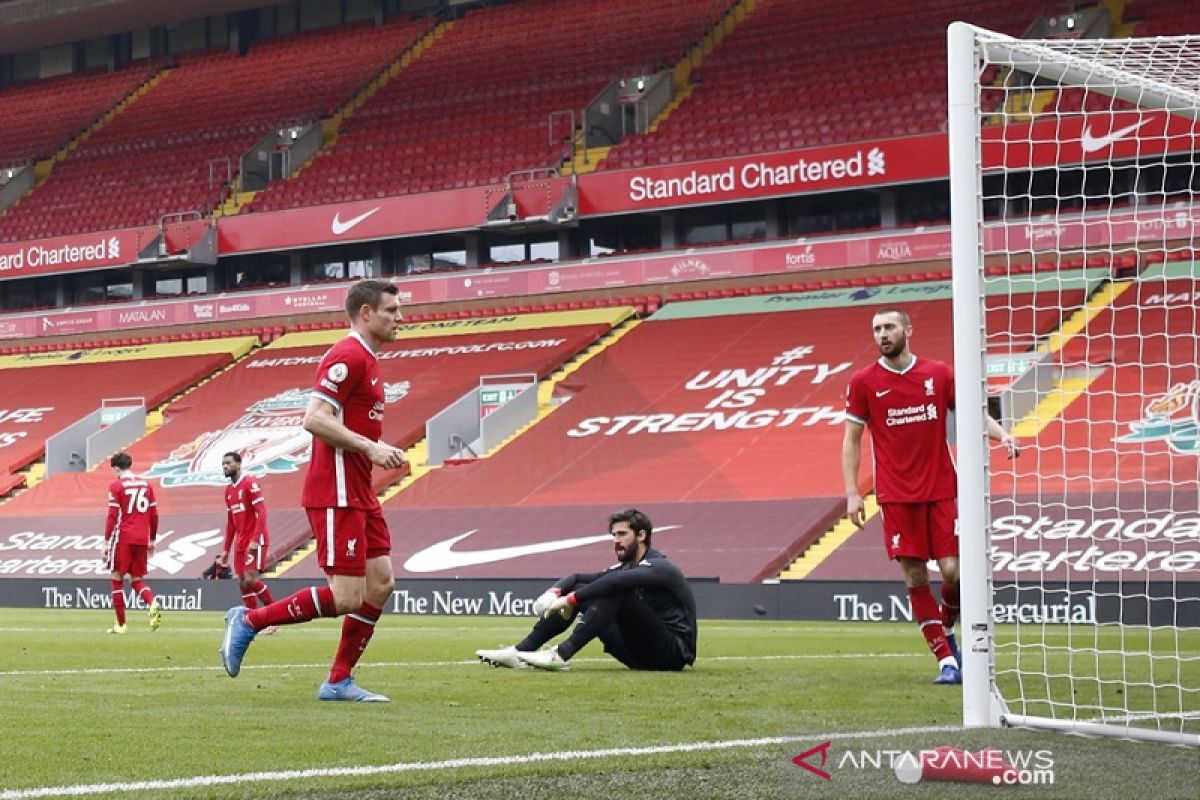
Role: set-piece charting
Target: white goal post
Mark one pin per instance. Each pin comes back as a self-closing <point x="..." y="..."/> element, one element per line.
<point x="1073" y="189"/>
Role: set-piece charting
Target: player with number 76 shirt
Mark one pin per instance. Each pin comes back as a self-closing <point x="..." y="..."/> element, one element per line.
<point x="129" y="535"/>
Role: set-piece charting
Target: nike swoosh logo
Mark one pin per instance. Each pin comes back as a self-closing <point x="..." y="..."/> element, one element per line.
<point x="338" y="227"/>
<point x="1090" y="144"/>
<point x="442" y="556"/>
<point x="881" y="394"/>
<point x="374" y="381"/>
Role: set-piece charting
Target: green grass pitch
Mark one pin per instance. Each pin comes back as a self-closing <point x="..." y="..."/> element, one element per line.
<point x="153" y="715"/>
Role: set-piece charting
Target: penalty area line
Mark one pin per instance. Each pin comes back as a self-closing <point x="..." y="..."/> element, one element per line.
<point x="202" y="781"/>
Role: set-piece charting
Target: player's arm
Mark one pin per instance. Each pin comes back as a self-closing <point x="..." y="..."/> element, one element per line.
<point x="259" y="506"/>
<point x="110" y="524"/>
<point x="646" y="575"/>
<point x="114" y="511"/>
<point x="996" y="433"/>
<point x="851" y="459"/>
<point x="152" y="513"/>
<point x="223" y="559"/>
<point x="321" y="420"/>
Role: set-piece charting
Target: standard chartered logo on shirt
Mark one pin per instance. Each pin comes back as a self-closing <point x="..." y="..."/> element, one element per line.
<point x="911" y="414"/>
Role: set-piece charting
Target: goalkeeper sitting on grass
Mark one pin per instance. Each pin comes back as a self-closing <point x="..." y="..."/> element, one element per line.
<point x="641" y="609"/>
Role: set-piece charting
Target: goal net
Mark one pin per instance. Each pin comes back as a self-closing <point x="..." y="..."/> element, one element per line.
<point x="1074" y="180"/>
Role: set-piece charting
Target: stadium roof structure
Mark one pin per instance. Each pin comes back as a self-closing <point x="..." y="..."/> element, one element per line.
<point x="30" y="24"/>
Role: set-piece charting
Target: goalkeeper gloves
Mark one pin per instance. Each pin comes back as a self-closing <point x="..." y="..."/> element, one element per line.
<point x="545" y="600"/>
<point x="563" y="606"/>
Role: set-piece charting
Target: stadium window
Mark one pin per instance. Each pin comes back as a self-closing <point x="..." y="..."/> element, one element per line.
<point x="414" y="263"/>
<point x="748" y="221"/>
<point x="360" y="268"/>
<point x="544" y="251"/>
<point x="168" y="287"/>
<point x="30" y="293"/>
<point x="506" y="253"/>
<point x="705" y="225"/>
<point x="121" y="290"/>
<point x="90" y="288"/>
<point x="450" y="259"/>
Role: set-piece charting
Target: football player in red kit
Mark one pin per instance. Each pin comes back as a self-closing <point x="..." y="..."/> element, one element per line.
<point x="129" y="537"/>
<point x="246" y="535"/>
<point x="345" y="416"/>
<point x="905" y="401"/>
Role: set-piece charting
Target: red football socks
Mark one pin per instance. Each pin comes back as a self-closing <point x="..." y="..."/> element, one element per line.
<point x="263" y="594"/>
<point x="143" y="591"/>
<point x="306" y="604"/>
<point x="118" y="600"/>
<point x="949" y="606"/>
<point x="929" y="618"/>
<point x="357" y="629"/>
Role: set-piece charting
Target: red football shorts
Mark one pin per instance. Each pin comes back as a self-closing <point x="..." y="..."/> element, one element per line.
<point x="347" y="537"/>
<point x="128" y="559"/>
<point x="246" y="559"/>
<point x="921" y="530"/>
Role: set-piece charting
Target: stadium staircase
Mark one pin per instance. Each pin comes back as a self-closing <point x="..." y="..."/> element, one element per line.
<point x="176" y="148"/>
<point x="475" y="108"/>
<point x="1074" y="381"/>
<point x="818" y="76"/>
<point x="587" y="159"/>
<point x="829" y="541"/>
<point x="35" y="472"/>
<point x="331" y="125"/>
<point x="546" y="405"/>
<point x="44" y="167"/>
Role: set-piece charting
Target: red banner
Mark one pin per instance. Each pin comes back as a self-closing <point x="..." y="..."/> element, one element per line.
<point x="1048" y="141"/>
<point x="363" y="220"/>
<point x="1053" y="140"/>
<point x="72" y="253"/>
<point x="816" y="169"/>
<point x="1152" y="226"/>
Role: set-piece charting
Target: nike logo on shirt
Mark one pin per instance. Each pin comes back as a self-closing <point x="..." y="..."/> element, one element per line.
<point x="442" y="556"/>
<point x="338" y="227"/>
<point x="881" y="394"/>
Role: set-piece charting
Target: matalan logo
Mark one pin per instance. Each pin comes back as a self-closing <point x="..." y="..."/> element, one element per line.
<point x="142" y="315"/>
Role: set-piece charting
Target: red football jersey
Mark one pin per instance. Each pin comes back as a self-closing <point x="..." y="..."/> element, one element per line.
<point x="906" y="412"/>
<point x="132" y="511"/>
<point x="348" y="379"/>
<point x="247" y="513"/>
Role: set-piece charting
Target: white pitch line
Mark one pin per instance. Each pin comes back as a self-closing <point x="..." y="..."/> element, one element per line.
<point x="199" y="781"/>
<point x="413" y="664"/>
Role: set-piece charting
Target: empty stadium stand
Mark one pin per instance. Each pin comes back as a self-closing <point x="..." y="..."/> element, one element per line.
<point x="42" y="393"/>
<point x="475" y="106"/>
<point x="1134" y="353"/>
<point x="165" y="153"/>
<point x="707" y="415"/>
<point x="257" y="408"/>
<point x="797" y="74"/>
<point x="42" y="116"/>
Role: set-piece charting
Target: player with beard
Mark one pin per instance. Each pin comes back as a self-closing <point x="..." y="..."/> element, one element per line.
<point x="345" y="417"/>
<point x="640" y="608"/>
<point x="906" y="400"/>
<point x="246" y="535"/>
